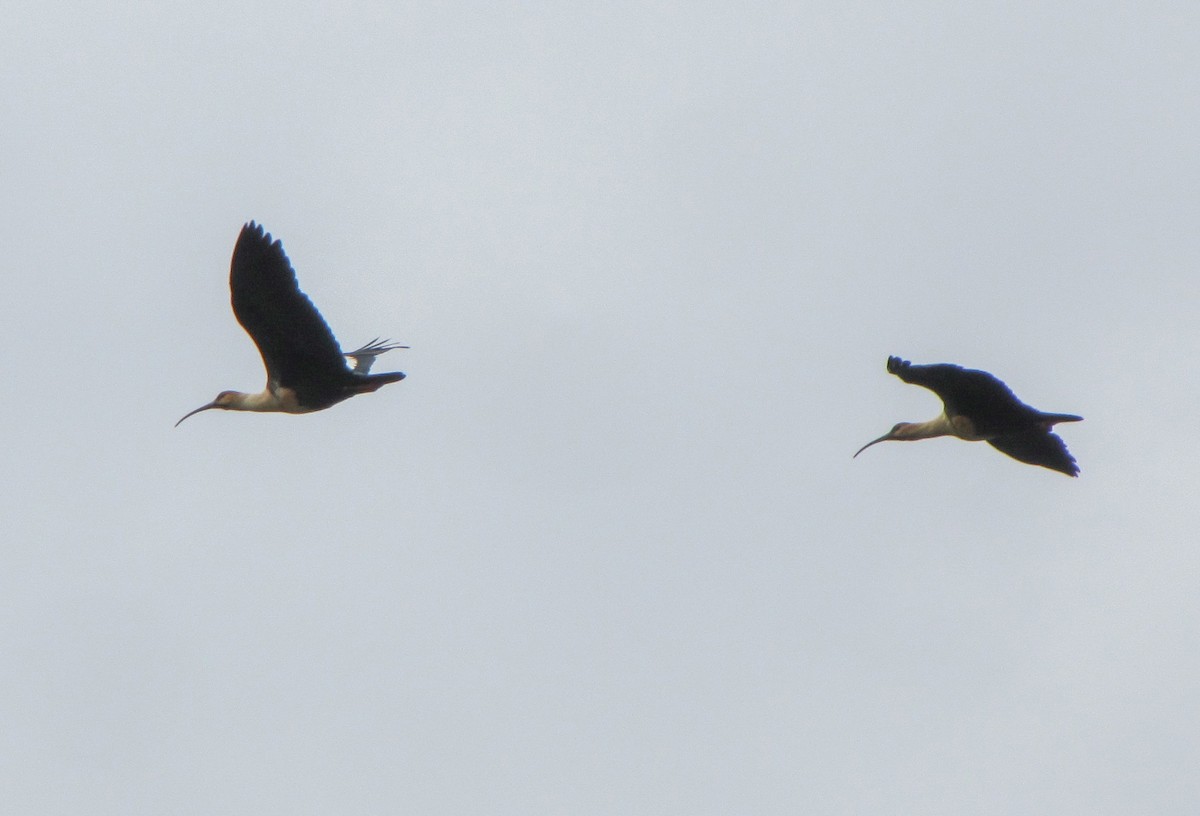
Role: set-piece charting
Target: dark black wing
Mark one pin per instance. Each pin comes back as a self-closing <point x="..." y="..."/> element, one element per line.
<point x="977" y="395"/>
<point x="297" y="346"/>
<point x="1037" y="447"/>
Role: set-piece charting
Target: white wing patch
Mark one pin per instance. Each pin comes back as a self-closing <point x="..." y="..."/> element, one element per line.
<point x="361" y="360"/>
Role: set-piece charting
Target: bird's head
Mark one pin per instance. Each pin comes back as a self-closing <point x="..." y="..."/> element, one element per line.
<point x="224" y="400"/>
<point x="899" y="431"/>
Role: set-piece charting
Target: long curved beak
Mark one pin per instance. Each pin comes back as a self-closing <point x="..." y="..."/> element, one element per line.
<point x="198" y="410"/>
<point x="883" y="438"/>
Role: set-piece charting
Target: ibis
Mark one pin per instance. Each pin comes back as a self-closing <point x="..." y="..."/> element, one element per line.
<point x="306" y="368"/>
<point x="978" y="407"/>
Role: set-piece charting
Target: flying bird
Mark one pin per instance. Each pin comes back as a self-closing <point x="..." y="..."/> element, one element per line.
<point x="306" y="368"/>
<point x="980" y="407"/>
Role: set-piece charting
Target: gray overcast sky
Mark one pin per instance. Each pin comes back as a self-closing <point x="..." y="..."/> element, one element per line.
<point x="605" y="550"/>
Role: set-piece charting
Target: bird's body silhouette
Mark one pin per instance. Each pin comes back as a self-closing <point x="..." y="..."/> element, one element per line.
<point x="979" y="407"/>
<point x="306" y="368"/>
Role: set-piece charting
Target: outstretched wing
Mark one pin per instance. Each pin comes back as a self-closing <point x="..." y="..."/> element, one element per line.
<point x="364" y="357"/>
<point x="1037" y="447"/>
<point x="296" y="344"/>
<point x="988" y="402"/>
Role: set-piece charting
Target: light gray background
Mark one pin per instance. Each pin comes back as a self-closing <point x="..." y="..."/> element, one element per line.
<point x="605" y="551"/>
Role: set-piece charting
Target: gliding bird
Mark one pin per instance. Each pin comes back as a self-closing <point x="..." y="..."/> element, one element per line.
<point x="306" y="369"/>
<point x="980" y="407"/>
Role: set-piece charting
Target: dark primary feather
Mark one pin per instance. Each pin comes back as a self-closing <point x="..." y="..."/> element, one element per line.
<point x="977" y="395"/>
<point x="1037" y="447"/>
<point x="297" y="347"/>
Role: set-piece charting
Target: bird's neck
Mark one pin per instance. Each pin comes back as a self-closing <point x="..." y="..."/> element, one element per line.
<point x="262" y="401"/>
<point x="938" y="426"/>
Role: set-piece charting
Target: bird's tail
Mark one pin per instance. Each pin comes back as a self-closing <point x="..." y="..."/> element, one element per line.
<point x="373" y="382"/>
<point x="1050" y="420"/>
